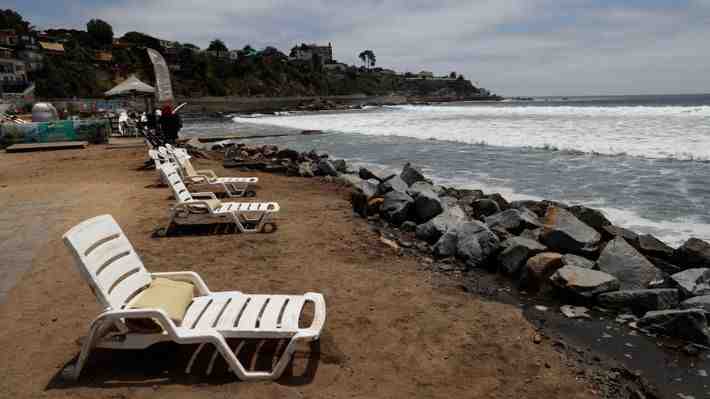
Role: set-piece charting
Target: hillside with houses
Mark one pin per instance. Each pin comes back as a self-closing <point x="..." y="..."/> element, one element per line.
<point x="61" y="63"/>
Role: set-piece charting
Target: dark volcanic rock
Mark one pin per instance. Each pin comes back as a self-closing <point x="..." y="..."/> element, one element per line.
<point x="503" y="204"/>
<point x="286" y="153"/>
<point x="584" y="282"/>
<point x="432" y="230"/>
<point x="514" y="220"/>
<point x="475" y="244"/>
<point x="611" y="232"/>
<point x="408" y="226"/>
<point x="692" y="282"/>
<point x="426" y="202"/>
<point x="689" y="324"/>
<point x="539" y="268"/>
<point x="664" y="265"/>
<point x="579" y="261"/>
<point x="641" y="300"/>
<point x="698" y="302"/>
<point x="411" y="174"/>
<point x="366" y="174"/>
<point x="625" y="263"/>
<point x="565" y="233"/>
<point x="396" y="206"/>
<point x="592" y="217"/>
<point x="693" y="253"/>
<point x="517" y="251"/>
<point x="393" y="183"/>
<point x="327" y="168"/>
<point x="652" y="246"/>
<point x="484" y="207"/>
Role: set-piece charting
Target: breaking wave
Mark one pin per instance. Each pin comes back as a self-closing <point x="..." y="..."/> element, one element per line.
<point x="658" y="132"/>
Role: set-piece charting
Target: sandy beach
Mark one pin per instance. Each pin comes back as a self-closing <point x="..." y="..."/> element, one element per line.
<point x="393" y="328"/>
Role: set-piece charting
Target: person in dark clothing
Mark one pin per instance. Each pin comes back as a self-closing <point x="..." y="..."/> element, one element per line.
<point x="170" y="123"/>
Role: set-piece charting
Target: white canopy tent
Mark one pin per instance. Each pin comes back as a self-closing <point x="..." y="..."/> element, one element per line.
<point x="131" y="86"/>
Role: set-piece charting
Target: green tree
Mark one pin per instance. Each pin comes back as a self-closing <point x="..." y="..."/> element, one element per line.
<point x="453" y="75"/>
<point x="141" y="39"/>
<point x="368" y="58"/>
<point x="10" y="19"/>
<point x="217" y="45"/>
<point x="101" y="32"/>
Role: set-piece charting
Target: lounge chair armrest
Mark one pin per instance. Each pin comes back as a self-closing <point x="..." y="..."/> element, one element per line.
<point x="207" y="195"/>
<point x="318" y="316"/>
<point x="194" y="204"/>
<point x="196" y="179"/>
<point x="187" y="276"/>
<point x="207" y="172"/>
<point x="156" y="314"/>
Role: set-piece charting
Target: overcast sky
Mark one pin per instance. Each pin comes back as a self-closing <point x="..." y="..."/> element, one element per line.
<point x="512" y="47"/>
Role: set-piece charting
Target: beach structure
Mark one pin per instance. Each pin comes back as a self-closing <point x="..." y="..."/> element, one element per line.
<point x="142" y="308"/>
<point x="207" y="179"/>
<point x="206" y="208"/>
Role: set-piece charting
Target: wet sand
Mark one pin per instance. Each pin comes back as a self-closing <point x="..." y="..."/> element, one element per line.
<point x="392" y="329"/>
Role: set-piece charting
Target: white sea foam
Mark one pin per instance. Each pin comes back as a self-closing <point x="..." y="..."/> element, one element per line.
<point x="678" y="132"/>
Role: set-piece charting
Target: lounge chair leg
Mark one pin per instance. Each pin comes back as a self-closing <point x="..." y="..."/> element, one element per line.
<point x="72" y="372"/>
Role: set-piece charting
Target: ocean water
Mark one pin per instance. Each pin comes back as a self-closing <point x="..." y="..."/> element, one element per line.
<point x="643" y="160"/>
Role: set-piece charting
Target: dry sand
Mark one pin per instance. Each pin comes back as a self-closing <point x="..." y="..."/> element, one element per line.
<point x="390" y="332"/>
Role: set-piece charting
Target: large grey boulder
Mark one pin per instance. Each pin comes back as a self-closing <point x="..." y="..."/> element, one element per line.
<point x="641" y="300"/>
<point x="692" y="282"/>
<point x="693" y="253"/>
<point x="584" y="282"/>
<point x="517" y="251"/>
<point x="514" y="220"/>
<point x="327" y="168"/>
<point x="475" y="244"/>
<point x="394" y="183"/>
<point x="689" y="324"/>
<point x="432" y="230"/>
<point x="624" y="262"/>
<point x="426" y="202"/>
<point x="698" y="302"/>
<point x="411" y="174"/>
<point x="565" y="233"/>
<point x="653" y="247"/>
<point x="579" y="261"/>
<point x="539" y="268"/>
<point x="341" y="165"/>
<point x="446" y="245"/>
<point x="592" y="217"/>
<point x="484" y="207"/>
<point x="396" y="206"/>
<point x="503" y="204"/>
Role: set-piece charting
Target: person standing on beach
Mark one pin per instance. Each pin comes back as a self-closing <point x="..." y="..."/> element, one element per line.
<point x="170" y="124"/>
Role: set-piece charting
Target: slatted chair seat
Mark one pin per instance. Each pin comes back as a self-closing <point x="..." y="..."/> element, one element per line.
<point x="207" y="179"/>
<point x="249" y="217"/>
<point x="116" y="275"/>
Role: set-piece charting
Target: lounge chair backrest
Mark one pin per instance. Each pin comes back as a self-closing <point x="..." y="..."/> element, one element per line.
<point x="181" y="193"/>
<point x="107" y="260"/>
<point x="185" y="164"/>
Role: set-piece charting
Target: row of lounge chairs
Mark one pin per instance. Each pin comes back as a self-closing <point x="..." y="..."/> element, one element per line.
<point x="142" y="308"/>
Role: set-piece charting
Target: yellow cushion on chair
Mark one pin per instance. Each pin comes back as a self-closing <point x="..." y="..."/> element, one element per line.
<point x="173" y="297"/>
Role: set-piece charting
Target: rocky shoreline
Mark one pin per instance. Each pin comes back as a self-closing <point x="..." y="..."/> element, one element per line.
<point x="572" y="252"/>
<point x="572" y="256"/>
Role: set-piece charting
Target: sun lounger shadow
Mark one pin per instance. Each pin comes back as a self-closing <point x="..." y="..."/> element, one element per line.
<point x="215" y="229"/>
<point x="165" y="364"/>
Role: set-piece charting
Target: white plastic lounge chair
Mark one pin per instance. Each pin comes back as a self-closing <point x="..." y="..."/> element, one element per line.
<point x="250" y="217"/>
<point x="118" y="278"/>
<point x="206" y="179"/>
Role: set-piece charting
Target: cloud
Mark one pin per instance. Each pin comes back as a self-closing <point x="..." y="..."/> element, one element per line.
<point x="514" y="47"/>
